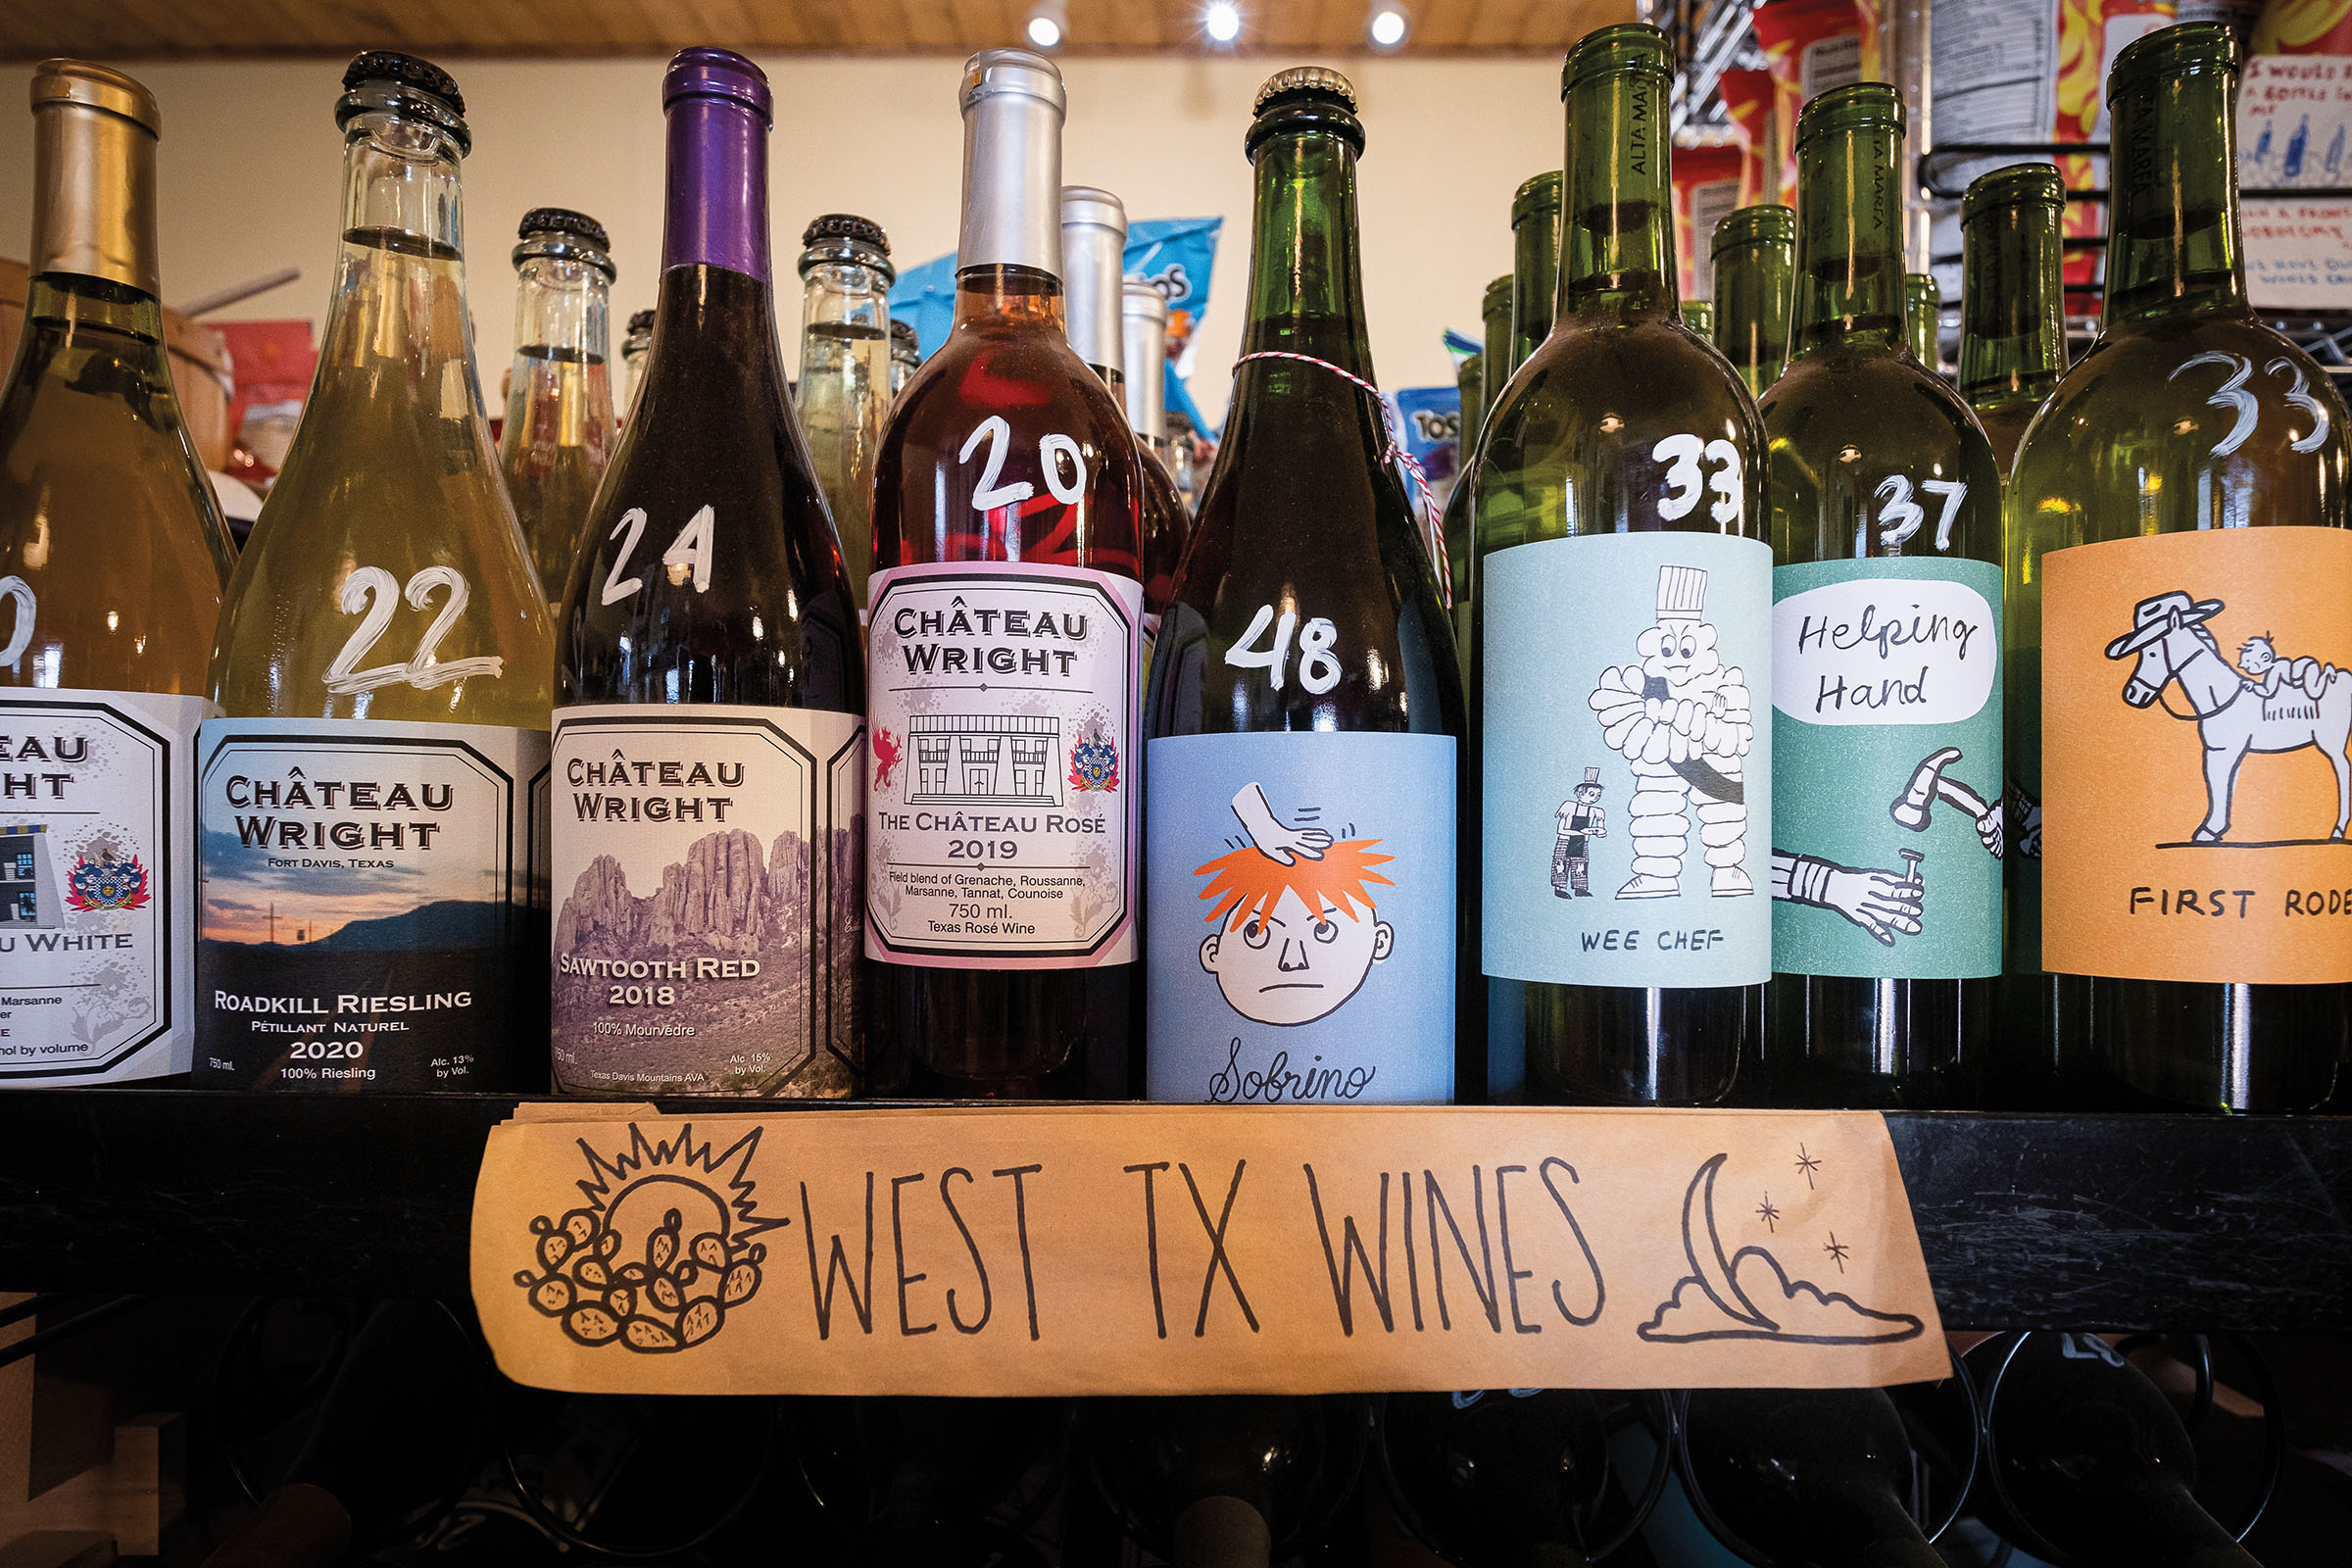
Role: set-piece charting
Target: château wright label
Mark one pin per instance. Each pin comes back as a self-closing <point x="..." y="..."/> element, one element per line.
<point x="706" y="879"/>
<point x="1004" y="699"/>
<point x="1629" y="760"/>
<point x="97" y="885"/>
<point x="1303" y="918"/>
<point x="370" y="901"/>
<point x="1887" y="768"/>
<point x="2196" y="691"/>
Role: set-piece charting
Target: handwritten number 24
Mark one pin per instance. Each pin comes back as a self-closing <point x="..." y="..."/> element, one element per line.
<point x="2233" y="396"/>
<point x="688" y="555"/>
<point x="1687" y="481"/>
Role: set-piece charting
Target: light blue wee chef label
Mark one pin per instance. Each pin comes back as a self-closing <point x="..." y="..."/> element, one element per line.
<point x="1887" y="768"/>
<point x="1302" y="918"/>
<point x="1629" y="760"/>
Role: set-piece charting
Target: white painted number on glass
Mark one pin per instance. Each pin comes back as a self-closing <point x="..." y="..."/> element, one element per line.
<point x="378" y="590"/>
<point x="1953" y="491"/>
<point x="2231" y="395"/>
<point x="617" y="587"/>
<point x="1900" y="516"/>
<point x="20" y="635"/>
<point x="1730" y="496"/>
<point x="2300" y="396"/>
<point x="1688" y="482"/>
<point x="1050" y="449"/>
<point x="1318" y="670"/>
<point x="690" y="551"/>
<point x="991" y="495"/>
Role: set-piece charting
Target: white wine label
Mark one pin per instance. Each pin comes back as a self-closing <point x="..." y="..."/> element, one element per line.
<point x="372" y="900"/>
<point x="97" y="885"/>
<point x="707" y="865"/>
<point x="1003" y="700"/>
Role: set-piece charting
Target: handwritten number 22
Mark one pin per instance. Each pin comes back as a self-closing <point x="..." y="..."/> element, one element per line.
<point x="1686" y="482"/>
<point x="2233" y="396"/>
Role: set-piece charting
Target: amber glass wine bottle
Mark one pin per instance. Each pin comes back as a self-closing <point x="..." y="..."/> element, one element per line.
<point x="1754" y="252"/>
<point x="1306" y="711"/>
<point x="1624" y="607"/>
<point x="2012" y="330"/>
<point x="2178" y="640"/>
<point x="559" y="427"/>
<point x="1886" y="508"/>
<point x="373" y="803"/>
<point x="708" y="747"/>
<point x="112" y="557"/>
<point x="1002" y="864"/>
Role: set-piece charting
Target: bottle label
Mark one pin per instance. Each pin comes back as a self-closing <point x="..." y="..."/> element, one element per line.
<point x="1303" y="918"/>
<point x="1628" y="761"/>
<point x="370" y="905"/>
<point x="1003" y="700"/>
<point x="2196" y="691"/>
<point x="707" y="865"/>
<point x="1887" y="829"/>
<point x="97" y="885"/>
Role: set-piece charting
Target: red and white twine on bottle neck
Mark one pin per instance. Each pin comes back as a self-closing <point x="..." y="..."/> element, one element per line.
<point x="1433" y="537"/>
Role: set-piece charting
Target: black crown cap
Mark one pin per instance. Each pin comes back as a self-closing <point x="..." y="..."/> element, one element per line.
<point x="847" y="225"/>
<point x="563" y="221"/>
<point x="903" y="332"/>
<point x="641" y="321"/>
<point x="390" y="65"/>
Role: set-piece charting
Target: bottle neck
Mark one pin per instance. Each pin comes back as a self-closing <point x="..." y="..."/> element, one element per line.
<point x="1020" y="297"/>
<point x="1147" y="378"/>
<point x="1751" y="309"/>
<point x="1534" y="280"/>
<point x="1306" y="286"/>
<point x="1617" y="204"/>
<point x="2174" y="245"/>
<point x="1497" y="348"/>
<point x="1849" y="239"/>
<point x="1012" y="186"/>
<point x="1091" y="291"/>
<point x="562" y="310"/>
<point x="2012" y="332"/>
<point x="400" y="188"/>
<point x="401" y="293"/>
<point x="93" y="208"/>
<point x="716" y="213"/>
<point x="843" y="293"/>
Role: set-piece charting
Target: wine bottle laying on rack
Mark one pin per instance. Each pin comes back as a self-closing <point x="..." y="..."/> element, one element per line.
<point x="1306" y="708"/>
<point x="1822" y="1476"/>
<point x="708" y="746"/>
<point x="112" y="559"/>
<point x="373" y="803"/>
<point x="2011" y="326"/>
<point x="1754" y="252"/>
<point x="1623" y="603"/>
<point x="2178" y="641"/>
<point x="1007" y="625"/>
<point x="559" y="427"/>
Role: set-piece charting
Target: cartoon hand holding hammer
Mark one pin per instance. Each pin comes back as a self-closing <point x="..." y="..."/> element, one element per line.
<point x="1929" y="784"/>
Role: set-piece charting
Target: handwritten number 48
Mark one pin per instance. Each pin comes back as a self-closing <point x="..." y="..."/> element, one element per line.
<point x="1686" y="482"/>
<point x="1318" y="670"/>
<point x="2233" y="396"/>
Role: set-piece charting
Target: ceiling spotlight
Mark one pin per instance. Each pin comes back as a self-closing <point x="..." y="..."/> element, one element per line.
<point x="1047" y="22"/>
<point x="1388" y="27"/>
<point x="1223" y="22"/>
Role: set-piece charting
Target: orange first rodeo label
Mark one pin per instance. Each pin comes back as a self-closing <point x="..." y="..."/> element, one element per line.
<point x="2197" y="693"/>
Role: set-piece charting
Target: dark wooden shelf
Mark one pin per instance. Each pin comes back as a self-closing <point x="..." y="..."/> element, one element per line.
<point x="2028" y="1221"/>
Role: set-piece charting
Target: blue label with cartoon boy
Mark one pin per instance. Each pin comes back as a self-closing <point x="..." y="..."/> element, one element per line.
<point x="1300" y="926"/>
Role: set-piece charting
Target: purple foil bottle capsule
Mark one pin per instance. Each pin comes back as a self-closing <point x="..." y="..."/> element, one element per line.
<point x="718" y="107"/>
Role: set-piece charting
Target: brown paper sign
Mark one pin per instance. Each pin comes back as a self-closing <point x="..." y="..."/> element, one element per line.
<point x="1155" y="1249"/>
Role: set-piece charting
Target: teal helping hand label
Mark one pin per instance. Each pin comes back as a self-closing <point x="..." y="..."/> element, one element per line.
<point x="1887" y="768"/>
<point x="1628" y="761"/>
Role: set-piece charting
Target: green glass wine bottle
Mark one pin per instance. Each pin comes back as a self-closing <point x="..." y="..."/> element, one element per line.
<point x="112" y="560"/>
<point x="1699" y="316"/>
<point x="1454" y="525"/>
<point x="1755" y="251"/>
<point x="1495" y="314"/>
<point x="2012" y="326"/>
<point x="1534" y="265"/>
<point x="1923" y="310"/>
<point x="373" y="806"/>
<point x="1624" y="595"/>
<point x="2178" y="637"/>
<point x="1885" y="508"/>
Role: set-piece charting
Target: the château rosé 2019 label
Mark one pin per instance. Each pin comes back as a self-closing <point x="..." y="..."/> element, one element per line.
<point x="372" y="903"/>
<point x="97" y="885"/>
<point x="707" y="862"/>
<point x="1003" y="700"/>
<point x="1302" y="919"/>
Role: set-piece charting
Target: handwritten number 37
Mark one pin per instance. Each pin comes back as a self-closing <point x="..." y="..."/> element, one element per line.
<point x="1685" y="482"/>
<point x="2233" y="396"/>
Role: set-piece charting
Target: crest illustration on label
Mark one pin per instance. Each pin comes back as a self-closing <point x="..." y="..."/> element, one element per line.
<point x="1302" y="919"/>
<point x="1628" y="778"/>
<point x="97" y="885"/>
<point x="2196" y="695"/>
<point x="1888" y="829"/>
<point x="369" y="905"/>
<point x="1003" y="700"/>
<point x="707" y="864"/>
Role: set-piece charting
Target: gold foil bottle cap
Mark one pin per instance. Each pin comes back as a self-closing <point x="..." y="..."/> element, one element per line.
<point x="95" y="133"/>
<point x="96" y="86"/>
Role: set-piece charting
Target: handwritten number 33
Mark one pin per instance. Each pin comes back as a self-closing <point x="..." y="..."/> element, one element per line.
<point x="2233" y="396"/>
<point x="1685" y="482"/>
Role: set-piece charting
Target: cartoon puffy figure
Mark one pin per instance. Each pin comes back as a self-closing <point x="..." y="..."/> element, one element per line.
<point x="1682" y="721"/>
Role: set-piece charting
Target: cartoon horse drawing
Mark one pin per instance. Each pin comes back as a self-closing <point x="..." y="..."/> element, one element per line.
<point x="2167" y="633"/>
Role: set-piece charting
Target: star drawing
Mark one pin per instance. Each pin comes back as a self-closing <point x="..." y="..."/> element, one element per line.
<point x="1769" y="1214"/>
<point x="1808" y="1164"/>
<point x="1837" y="1250"/>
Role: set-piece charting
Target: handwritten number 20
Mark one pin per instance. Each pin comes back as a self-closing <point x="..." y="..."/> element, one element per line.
<point x="1051" y="452"/>
<point x="1686" y="482"/>
<point x="2233" y="396"/>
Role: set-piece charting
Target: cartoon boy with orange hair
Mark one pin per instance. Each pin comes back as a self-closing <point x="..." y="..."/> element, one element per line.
<point x="1295" y="934"/>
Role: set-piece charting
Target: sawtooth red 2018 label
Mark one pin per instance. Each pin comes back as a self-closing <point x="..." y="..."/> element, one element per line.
<point x="1003" y="700"/>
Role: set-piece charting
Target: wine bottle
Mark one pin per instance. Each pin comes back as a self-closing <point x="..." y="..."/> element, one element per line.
<point x="1808" y="1476"/>
<point x="633" y="350"/>
<point x="1535" y="265"/>
<point x="1922" y="317"/>
<point x="2012" y="326"/>
<point x="1469" y="386"/>
<point x="1305" y="711"/>
<point x="1167" y="526"/>
<point x="1754" y="252"/>
<point x="1495" y="370"/>
<point x="1222" y="1482"/>
<point x="559" y="427"/>
<point x="373" y="803"/>
<point x="1002" y="864"/>
<point x="1885" y="508"/>
<point x="1517" y="1477"/>
<point x="112" y="559"/>
<point x="1626" y="778"/>
<point x="845" y="372"/>
<point x="1494" y="320"/>
<point x="709" y="749"/>
<point x="905" y="355"/>
<point x="2177" y="638"/>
